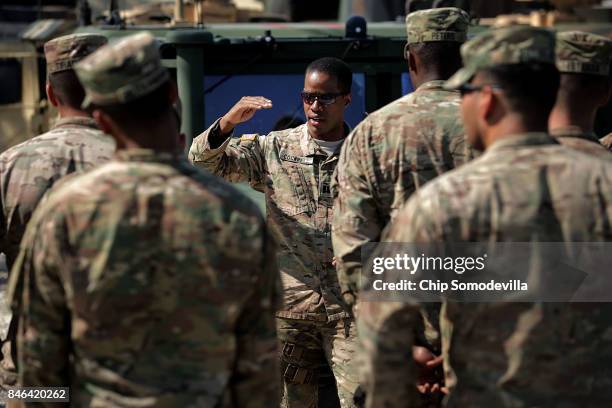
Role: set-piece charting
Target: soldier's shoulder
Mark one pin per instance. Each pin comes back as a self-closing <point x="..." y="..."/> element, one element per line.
<point x="56" y="141"/>
<point x="186" y="184"/>
<point x="286" y="135"/>
<point x="215" y="190"/>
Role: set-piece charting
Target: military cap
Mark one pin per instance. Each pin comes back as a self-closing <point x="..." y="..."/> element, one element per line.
<point x="583" y="53"/>
<point x="63" y="52"/>
<point x="504" y="46"/>
<point x="122" y="71"/>
<point x="439" y="24"/>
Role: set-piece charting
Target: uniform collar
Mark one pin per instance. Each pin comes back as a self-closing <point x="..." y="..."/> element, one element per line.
<point x="311" y="148"/>
<point x="435" y="85"/>
<point x="574" y="131"/>
<point x="76" y="121"/>
<point x="148" y="156"/>
<point x="523" y="140"/>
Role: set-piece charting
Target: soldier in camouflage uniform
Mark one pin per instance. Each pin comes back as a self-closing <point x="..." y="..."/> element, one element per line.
<point x="584" y="62"/>
<point x="397" y="149"/>
<point x="524" y="188"/>
<point x="28" y="170"/>
<point x="146" y="282"/>
<point x="294" y="169"/>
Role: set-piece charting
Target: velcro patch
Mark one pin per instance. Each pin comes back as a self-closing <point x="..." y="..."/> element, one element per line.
<point x="248" y="138"/>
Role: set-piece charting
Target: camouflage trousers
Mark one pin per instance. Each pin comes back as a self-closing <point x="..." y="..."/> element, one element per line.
<point x="309" y="350"/>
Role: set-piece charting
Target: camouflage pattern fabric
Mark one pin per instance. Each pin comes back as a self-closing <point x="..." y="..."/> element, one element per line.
<point x="523" y="188"/>
<point x="128" y="70"/>
<point x="388" y="373"/>
<point x="606" y="141"/>
<point x="503" y="46"/>
<point x="583" y="53"/>
<point x="388" y="156"/>
<point x="295" y="175"/>
<point x="63" y="52"/>
<point x="28" y="170"/>
<point x="438" y="24"/>
<point x="148" y="283"/>
<point x="310" y="346"/>
<point x="585" y="142"/>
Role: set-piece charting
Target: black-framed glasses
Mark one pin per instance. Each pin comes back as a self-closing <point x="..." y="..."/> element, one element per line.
<point x="469" y="88"/>
<point x="310" y="98"/>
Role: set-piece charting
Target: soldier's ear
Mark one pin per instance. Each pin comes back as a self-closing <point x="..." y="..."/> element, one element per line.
<point x="51" y="95"/>
<point x="173" y="92"/>
<point x="411" y="58"/>
<point x="108" y="125"/>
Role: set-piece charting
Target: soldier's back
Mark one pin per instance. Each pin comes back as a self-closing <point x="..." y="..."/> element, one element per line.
<point x="406" y="144"/>
<point x="524" y="189"/>
<point x="169" y="285"/>
<point x="583" y="142"/>
<point x="31" y="168"/>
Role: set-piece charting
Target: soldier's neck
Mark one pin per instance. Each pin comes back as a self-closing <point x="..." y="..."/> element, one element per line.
<point x="160" y="137"/>
<point x="68" y="112"/>
<point x="332" y="136"/>
<point x="561" y="117"/>
<point x="433" y="75"/>
<point x="511" y="125"/>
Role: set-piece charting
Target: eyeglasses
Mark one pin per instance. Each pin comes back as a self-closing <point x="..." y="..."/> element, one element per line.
<point x="469" y="88"/>
<point x="324" y="99"/>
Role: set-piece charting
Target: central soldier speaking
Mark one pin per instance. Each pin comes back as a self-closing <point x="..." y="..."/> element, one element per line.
<point x="294" y="169"/>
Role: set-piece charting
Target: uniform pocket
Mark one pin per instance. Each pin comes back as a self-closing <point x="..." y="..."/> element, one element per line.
<point x="293" y="194"/>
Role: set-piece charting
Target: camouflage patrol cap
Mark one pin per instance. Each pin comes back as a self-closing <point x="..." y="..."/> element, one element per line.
<point x="583" y="53"/>
<point x="122" y="71"/>
<point x="504" y="46"/>
<point x="63" y="52"/>
<point x="439" y="24"/>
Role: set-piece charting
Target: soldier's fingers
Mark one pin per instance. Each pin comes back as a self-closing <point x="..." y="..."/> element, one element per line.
<point x="259" y="100"/>
<point x="435" y="362"/>
<point x="255" y="105"/>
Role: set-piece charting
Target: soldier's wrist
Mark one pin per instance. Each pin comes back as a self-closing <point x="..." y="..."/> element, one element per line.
<point x="225" y="127"/>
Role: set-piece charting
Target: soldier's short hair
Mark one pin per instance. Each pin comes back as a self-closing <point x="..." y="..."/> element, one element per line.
<point x="443" y="56"/>
<point x="334" y="67"/>
<point x="140" y="110"/>
<point x="67" y="88"/>
<point x="584" y="84"/>
<point x="530" y="89"/>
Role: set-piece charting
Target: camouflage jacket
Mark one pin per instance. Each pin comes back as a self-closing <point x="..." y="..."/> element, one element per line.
<point x="584" y="142"/>
<point x="29" y="169"/>
<point x="295" y="175"/>
<point x="148" y="283"/>
<point x="525" y="188"/>
<point x="607" y="141"/>
<point x="391" y="154"/>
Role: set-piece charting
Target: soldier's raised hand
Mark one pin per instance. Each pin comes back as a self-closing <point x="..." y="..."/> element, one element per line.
<point x="243" y="111"/>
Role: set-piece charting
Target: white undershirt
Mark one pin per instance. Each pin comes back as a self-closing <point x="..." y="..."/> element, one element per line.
<point x="328" y="147"/>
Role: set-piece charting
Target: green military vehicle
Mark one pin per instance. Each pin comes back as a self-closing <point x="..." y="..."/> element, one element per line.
<point x="215" y="64"/>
